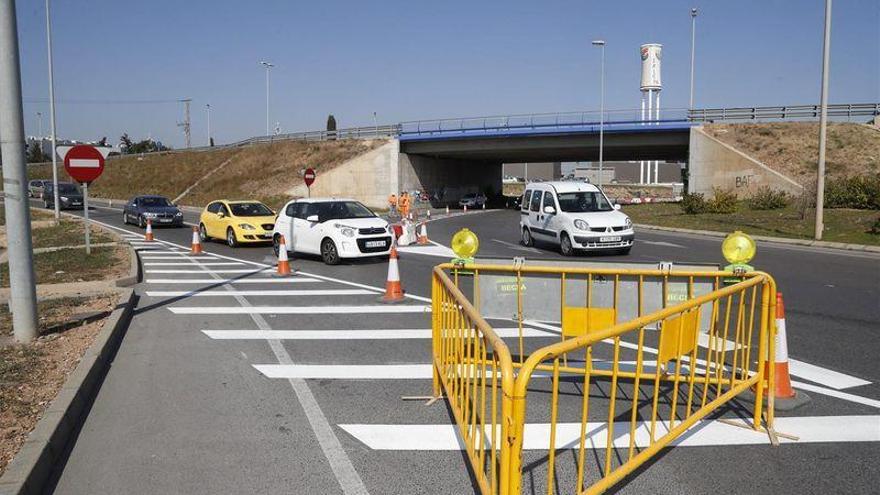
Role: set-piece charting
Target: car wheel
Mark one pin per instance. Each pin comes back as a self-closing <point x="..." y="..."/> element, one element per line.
<point x="141" y="222"/>
<point x="329" y="253"/>
<point x="203" y="233"/>
<point x="124" y="219"/>
<point x="565" y="246"/>
<point x="231" y="240"/>
<point x="46" y="205"/>
<point x="527" y="238"/>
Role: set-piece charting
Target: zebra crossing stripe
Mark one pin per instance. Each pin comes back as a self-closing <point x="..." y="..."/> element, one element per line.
<point x="297" y="310"/>
<point x="251" y="293"/>
<point x="370" y="334"/>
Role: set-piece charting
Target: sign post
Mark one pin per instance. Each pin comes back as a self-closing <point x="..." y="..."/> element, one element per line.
<point x="309" y="178"/>
<point x="83" y="164"/>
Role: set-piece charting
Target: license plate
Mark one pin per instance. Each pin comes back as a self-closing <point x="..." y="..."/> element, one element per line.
<point x="372" y="244"/>
<point x="610" y="238"/>
<point x="164" y="220"/>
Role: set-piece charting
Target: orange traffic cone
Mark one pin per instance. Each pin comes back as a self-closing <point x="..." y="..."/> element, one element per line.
<point x="465" y="208"/>
<point x="785" y="397"/>
<point x="447" y="209"/>
<point x="393" y="289"/>
<point x="148" y="235"/>
<point x="484" y="206"/>
<point x="428" y="214"/>
<point x="283" y="263"/>
<point x="423" y="234"/>
<point x="196" y="242"/>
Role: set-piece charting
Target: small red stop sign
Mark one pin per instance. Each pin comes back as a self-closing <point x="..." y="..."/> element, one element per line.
<point x="309" y="177"/>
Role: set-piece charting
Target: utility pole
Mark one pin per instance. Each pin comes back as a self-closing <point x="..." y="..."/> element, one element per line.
<point x="693" y="52"/>
<point x="210" y="139"/>
<point x="823" y="124"/>
<point x="601" y="45"/>
<point x="40" y="128"/>
<point x="55" y="201"/>
<point x="186" y="122"/>
<point x="23" y="295"/>
<point x="267" y="65"/>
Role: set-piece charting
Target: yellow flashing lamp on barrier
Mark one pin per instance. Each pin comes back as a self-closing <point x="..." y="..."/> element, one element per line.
<point x="465" y="245"/>
<point x="738" y="249"/>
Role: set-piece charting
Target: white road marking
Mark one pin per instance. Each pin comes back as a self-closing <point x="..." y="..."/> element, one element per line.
<point x="188" y="262"/>
<point x="824" y="376"/>
<point x="176" y="256"/>
<point x="661" y="243"/>
<point x="344" y="372"/>
<point x="536" y="436"/>
<point x="438" y="251"/>
<point x="291" y="292"/>
<point x="213" y="281"/>
<point x="370" y="334"/>
<point x="516" y="246"/>
<point x="298" y="310"/>
<point x="242" y="270"/>
<point x="858" y="399"/>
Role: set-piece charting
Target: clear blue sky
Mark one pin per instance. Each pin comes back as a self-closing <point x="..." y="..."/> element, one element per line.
<point x="410" y="60"/>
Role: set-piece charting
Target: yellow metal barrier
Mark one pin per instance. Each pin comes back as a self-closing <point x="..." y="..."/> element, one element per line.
<point x="658" y="374"/>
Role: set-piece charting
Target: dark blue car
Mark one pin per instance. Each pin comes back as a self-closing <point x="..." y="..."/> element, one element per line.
<point x="155" y="208"/>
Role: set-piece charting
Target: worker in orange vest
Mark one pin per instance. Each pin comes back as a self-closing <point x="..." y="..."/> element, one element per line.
<point x="404" y="204"/>
<point x="392" y="204"/>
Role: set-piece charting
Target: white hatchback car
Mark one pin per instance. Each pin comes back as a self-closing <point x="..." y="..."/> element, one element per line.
<point x="332" y="228"/>
<point x="574" y="215"/>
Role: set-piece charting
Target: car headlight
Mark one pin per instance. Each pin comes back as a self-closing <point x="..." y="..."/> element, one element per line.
<point x="246" y="226"/>
<point x="581" y="225"/>
<point x="629" y="223"/>
<point x="345" y="230"/>
<point x="64" y="198"/>
<point x="390" y="229"/>
<point x="178" y="214"/>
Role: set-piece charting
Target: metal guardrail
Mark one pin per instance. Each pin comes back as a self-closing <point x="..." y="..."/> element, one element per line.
<point x="847" y="110"/>
<point x="659" y="375"/>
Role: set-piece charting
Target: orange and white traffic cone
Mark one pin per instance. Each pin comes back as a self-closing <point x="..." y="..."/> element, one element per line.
<point x="393" y="289"/>
<point x="428" y="214"/>
<point x="283" y="263"/>
<point x="465" y="208"/>
<point x="423" y="235"/>
<point x="447" y="209"/>
<point x="784" y="396"/>
<point x="484" y="206"/>
<point x="148" y="235"/>
<point x="196" y="242"/>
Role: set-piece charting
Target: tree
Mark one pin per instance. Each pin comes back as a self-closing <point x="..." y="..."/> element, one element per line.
<point x="125" y="142"/>
<point x="102" y="141"/>
<point x="331" y="122"/>
<point x="35" y="153"/>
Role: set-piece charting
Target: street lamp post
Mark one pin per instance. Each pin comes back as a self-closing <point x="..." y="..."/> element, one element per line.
<point x="823" y="124"/>
<point x="210" y="140"/>
<point x="601" y="45"/>
<point x="40" y="128"/>
<point x="375" y="125"/>
<point x="693" y="51"/>
<point x="55" y="201"/>
<point x="267" y="65"/>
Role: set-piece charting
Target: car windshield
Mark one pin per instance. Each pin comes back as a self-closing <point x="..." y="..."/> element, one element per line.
<point x="67" y="189"/>
<point x="155" y="202"/>
<point x="337" y="210"/>
<point x="584" y="201"/>
<point x="250" y="210"/>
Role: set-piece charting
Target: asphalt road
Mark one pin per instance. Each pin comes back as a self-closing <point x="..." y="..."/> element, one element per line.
<point x="191" y="406"/>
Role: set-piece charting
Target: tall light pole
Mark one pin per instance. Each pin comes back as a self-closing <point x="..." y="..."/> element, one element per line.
<point x="23" y="296"/>
<point x="55" y="201"/>
<point x="210" y="140"/>
<point x="40" y="128"/>
<point x="375" y="124"/>
<point x="601" y="45"/>
<point x="823" y="124"/>
<point x="693" y="51"/>
<point x="267" y="65"/>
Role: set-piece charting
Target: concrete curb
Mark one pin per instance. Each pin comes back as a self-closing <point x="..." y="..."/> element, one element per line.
<point x="780" y="240"/>
<point x="134" y="271"/>
<point x="33" y="466"/>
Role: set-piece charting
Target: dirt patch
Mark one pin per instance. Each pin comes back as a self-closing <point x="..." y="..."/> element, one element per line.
<point x="32" y="374"/>
<point x="793" y="148"/>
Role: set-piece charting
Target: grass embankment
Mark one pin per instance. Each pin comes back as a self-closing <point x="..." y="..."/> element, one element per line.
<point x="792" y="148"/>
<point x="261" y="171"/>
<point x="32" y="374"/>
<point x="841" y="225"/>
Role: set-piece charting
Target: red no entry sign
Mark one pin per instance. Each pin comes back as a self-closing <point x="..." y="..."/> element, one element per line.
<point x="84" y="163"/>
<point x="309" y="177"/>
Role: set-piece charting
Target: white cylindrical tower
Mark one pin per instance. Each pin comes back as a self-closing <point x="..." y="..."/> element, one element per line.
<point x="650" y="86"/>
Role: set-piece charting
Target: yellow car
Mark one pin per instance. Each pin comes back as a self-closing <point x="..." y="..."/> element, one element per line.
<point x="238" y="222"/>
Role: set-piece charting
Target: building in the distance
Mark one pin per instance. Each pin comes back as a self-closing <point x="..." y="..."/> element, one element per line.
<point x="626" y="172"/>
<point x="533" y="171"/>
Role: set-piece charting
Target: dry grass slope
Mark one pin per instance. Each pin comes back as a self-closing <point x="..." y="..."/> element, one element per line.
<point x="262" y="171"/>
<point x="793" y="148"/>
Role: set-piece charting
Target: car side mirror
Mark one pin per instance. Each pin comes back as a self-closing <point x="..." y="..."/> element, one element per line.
<point x="549" y="210"/>
<point x="616" y="206"/>
<point x="221" y="214"/>
<point x="312" y="218"/>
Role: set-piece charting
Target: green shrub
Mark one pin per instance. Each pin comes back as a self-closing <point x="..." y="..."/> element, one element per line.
<point x="693" y="203"/>
<point x="768" y="199"/>
<point x="875" y="228"/>
<point x="722" y="201"/>
<point x="861" y="192"/>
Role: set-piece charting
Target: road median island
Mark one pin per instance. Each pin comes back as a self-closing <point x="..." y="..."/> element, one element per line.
<point x="46" y="385"/>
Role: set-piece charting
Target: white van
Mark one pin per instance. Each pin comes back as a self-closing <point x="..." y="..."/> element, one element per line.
<point x="574" y="215"/>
